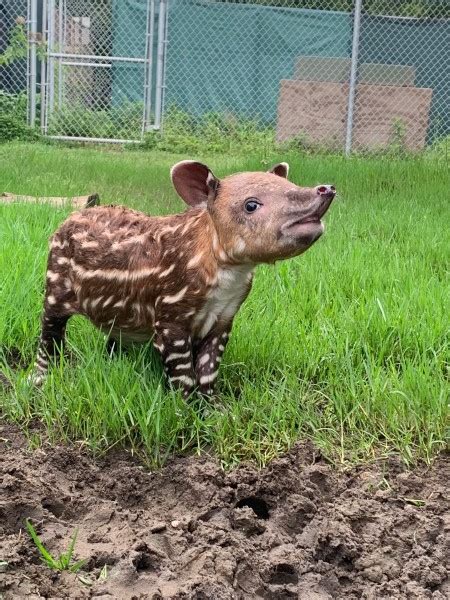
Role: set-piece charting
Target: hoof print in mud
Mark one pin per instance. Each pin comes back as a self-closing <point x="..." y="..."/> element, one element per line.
<point x="300" y="513"/>
<point x="258" y="506"/>
<point x="144" y="558"/>
<point x="249" y="515"/>
<point x="282" y="574"/>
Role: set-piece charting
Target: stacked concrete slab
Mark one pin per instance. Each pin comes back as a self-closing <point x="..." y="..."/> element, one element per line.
<point x="314" y="104"/>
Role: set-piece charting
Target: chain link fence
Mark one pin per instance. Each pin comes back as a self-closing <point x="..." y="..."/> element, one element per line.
<point x="14" y="63"/>
<point x="341" y="75"/>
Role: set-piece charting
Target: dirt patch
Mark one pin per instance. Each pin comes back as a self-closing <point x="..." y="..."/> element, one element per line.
<point x="297" y="529"/>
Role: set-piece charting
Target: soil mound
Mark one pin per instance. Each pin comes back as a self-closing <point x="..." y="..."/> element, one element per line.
<point x="297" y="529"/>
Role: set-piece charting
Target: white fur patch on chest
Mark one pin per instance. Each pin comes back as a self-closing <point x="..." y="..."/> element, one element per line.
<point x="225" y="299"/>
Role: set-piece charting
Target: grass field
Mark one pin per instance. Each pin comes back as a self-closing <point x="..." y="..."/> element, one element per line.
<point x="345" y="345"/>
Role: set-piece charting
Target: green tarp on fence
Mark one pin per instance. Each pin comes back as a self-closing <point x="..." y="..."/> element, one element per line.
<point x="231" y="57"/>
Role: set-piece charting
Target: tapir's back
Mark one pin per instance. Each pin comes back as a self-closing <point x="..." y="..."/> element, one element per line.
<point x="119" y="267"/>
<point x="113" y="237"/>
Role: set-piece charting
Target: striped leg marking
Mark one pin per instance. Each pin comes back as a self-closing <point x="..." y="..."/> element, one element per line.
<point x="208" y="358"/>
<point x="51" y="340"/>
<point x="176" y="352"/>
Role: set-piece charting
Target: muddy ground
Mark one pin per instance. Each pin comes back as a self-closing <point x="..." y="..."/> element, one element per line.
<point x="298" y="529"/>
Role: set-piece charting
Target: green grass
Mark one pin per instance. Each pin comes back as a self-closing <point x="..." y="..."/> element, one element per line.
<point x="345" y="345"/>
<point x="64" y="561"/>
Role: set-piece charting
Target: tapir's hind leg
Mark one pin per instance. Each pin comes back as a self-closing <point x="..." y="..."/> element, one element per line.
<point x="50" y="343"/>
<point x="59" y="305"/>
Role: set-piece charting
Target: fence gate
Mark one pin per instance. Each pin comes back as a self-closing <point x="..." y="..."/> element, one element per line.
<point x="102" y="76"/>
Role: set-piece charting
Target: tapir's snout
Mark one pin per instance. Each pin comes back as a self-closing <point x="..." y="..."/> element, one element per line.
<point x="327" y="190"/>
<point x="303" y="225"/>
<point x="311" y="203"/>
<point x="326" y="194"/>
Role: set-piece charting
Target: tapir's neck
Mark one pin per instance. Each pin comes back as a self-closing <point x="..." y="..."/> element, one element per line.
<point x="208" y="240"/>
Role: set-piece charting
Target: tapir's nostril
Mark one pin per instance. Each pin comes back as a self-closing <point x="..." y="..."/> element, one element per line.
<point x="328" y="190"/>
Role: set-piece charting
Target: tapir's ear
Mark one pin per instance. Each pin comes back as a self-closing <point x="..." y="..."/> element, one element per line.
<point x="194" y="182"/>
<point x="281" y="169"/>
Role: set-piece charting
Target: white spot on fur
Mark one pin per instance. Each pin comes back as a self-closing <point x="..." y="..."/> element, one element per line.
<point x="119" y="304"/>
<point x="91" y="244"/>
<point x="222" y="348"/>
<point x="80" y="236"/>
<point x="51" y="299"/>
<point x="62" y="260"/>
<point x="176" y="355"/>
<point x="113" y="274"/>
<point x="203" y="359"/>
<point x="175" y="297"/>
<point x="184" y="379"/>
<point x="211" y="364"/>
<point x="165" y="331"/>
<point x="51" y="276"/>
<point x="208" y="378"/>
<point x="136" y="239"/>
<point x="187" y="365"/>
<point x="239" y="245"/>
<point x="96" y="301"/>
<point x="108" y="301"/>
<point x="167" y="271"/>
<point x="195" y="260"/>
<point x="179" y="342"/>
<point x="59" y="244"/>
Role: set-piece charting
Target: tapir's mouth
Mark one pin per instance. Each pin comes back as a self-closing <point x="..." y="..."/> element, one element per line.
<point x="314" y="215"/>
<point x="307" y="228"/>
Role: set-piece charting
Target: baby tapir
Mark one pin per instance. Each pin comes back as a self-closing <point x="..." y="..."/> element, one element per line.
<point x="178" y="279"/>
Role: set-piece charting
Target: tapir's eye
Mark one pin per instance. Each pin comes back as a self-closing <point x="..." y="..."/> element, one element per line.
<point x="252" y="204"/>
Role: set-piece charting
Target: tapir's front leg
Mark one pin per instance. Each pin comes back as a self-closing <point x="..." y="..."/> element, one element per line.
<point x="208" y="355"/>
<point x="175" y="347"/>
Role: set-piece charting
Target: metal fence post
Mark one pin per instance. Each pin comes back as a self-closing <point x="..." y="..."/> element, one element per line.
<point x="148" y="81"/>
<point x="43" y="66"/>
<point x="51" y="60"/>
<point x="32" y="34"/>
<point x="353" y="76"/>
<point x="160" y="63"/>
<point x="61" y="26"/>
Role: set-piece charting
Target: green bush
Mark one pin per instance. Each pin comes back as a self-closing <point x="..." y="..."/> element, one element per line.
<point x="13" y="118"/>
<point x="212" y="132"/>
<point x="439" y="150"/>
<point x="121" y="122"/>
<point x="79" y="121"/>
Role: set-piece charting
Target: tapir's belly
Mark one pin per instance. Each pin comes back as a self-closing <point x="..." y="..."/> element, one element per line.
<point x="129" y="336"/>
